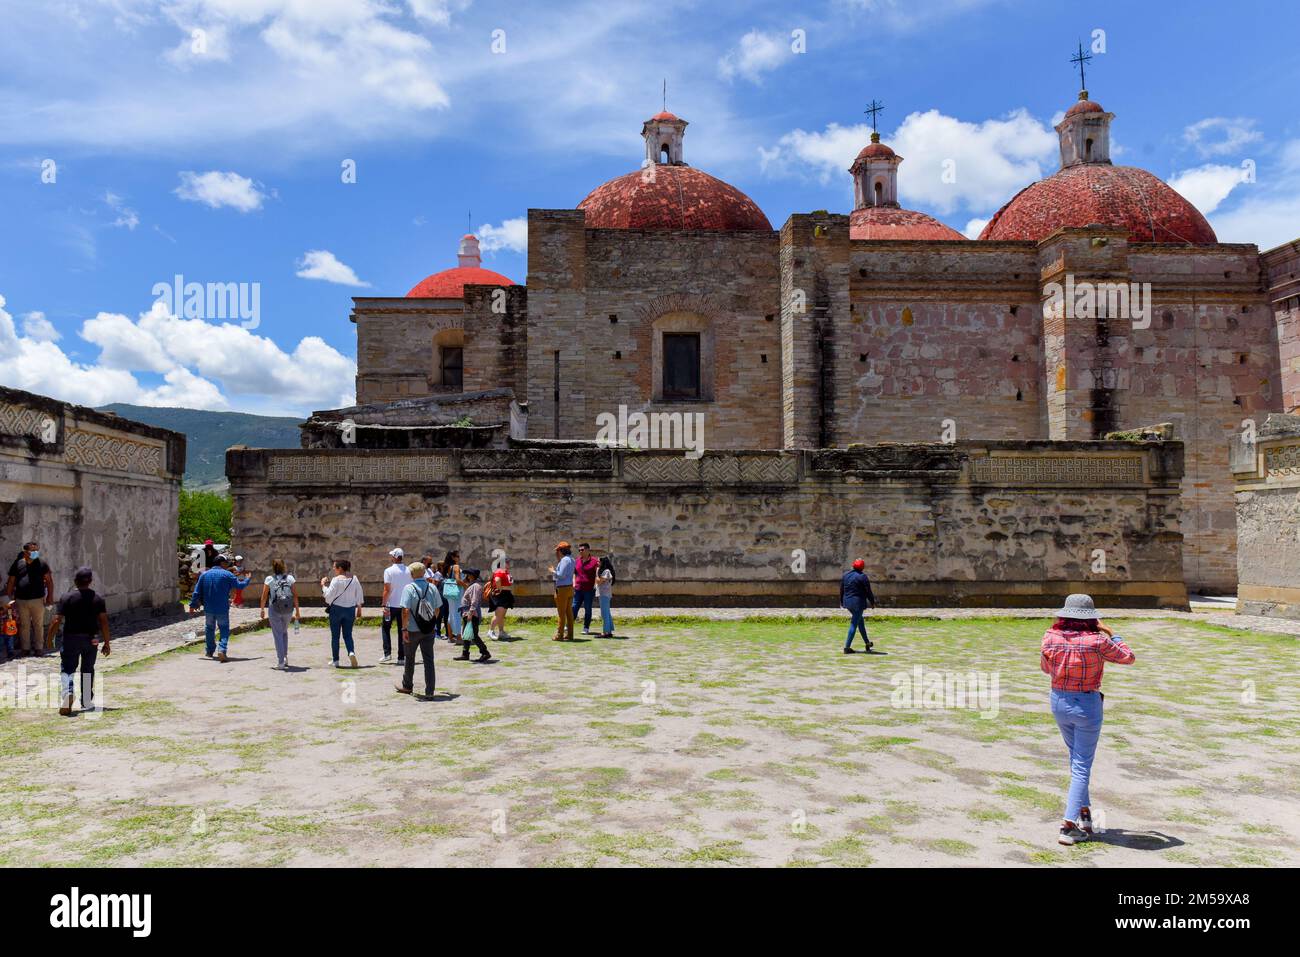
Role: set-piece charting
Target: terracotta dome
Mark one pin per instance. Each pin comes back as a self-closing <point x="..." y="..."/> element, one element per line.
<point x="1093" y="193"/>
<point x="451" y="283"/>
<point x="891" y="222"/>
<point x="875" y="150"/>
<point x="670" y="196"/>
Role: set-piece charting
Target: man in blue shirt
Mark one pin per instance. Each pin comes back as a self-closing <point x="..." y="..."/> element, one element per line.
<point x="212" y="595"/>
<point x="856" y="597"/>
<point x="562" y="571"/>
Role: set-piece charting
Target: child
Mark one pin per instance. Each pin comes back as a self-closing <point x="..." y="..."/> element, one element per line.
<point x="605" y="589"/>
<point x="451" y="594"/>
<point x="471" y="610"/>
<point x="238" y="599"/>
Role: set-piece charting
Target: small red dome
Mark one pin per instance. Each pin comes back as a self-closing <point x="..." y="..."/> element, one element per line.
<point x="665" y="115"/>
<point x="890" y="222"/>
<point x="876" y="150"/>
<point x="675" y="197"/>
<point x="1085" y="106"/>
<point x="1095" y="193"/>
<point x="451" y="283"/>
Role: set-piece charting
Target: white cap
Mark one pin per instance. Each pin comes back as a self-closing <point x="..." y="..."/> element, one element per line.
<point x="397" y="553"/>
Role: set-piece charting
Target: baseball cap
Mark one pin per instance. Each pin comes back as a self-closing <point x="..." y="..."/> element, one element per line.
<point x="397" y="553"/>
<point x="859" y="564"/>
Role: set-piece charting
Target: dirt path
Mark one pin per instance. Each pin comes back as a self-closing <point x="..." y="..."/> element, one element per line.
<point x="685" y="743"/>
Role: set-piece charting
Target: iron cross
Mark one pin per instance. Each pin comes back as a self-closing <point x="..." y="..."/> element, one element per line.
<point x="874" y="109"/>
<point x="1081" y="58"/>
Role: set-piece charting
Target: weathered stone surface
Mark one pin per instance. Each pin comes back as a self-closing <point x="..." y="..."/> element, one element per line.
<point x="761" y="527"/>
<point x="93" y="489"/>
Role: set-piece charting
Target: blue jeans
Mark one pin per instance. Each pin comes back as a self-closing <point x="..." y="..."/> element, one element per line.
<point x="214" y="621"/>
<point x="341" y="620"/>
<point x="857" y="624"/>
<point x="583" y="599"/>
<point x="606" y="619"/>
<point x="1079" y="716"/>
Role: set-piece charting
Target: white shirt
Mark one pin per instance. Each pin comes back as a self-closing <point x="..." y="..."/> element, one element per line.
<point x="344" y="591"/>
<point x="396" y="577"/>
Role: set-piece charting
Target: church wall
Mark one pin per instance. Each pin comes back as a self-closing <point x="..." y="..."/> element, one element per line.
<point x="598" y="298"/>
<point x="1268" y="520"/>
<point x="1012" y="523"/>
<point x="496" y="338"/>
<point x="941" y="331"/>
<point x="1282" y="275"/>
<point x="395" y="358"/>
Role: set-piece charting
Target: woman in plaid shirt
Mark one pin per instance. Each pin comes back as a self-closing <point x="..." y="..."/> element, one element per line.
<point x="1074" y="652"/>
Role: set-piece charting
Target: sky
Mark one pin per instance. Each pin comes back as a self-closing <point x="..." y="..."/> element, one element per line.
<point x="298" y="153"/>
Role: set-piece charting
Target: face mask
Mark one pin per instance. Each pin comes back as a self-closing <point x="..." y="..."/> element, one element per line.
<point x="35" y="555"/>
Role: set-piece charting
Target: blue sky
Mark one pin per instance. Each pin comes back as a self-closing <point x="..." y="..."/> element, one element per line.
<point x="207" y="138"/>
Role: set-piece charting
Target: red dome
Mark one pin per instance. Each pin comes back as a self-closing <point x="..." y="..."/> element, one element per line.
<point x="890" y="222"/>
<point x="1085" y="106"/>
<point x="451" y="283"/>
<point x="678" y="197"/>
<point x="1096" y="193"/>
<point x="874" y="150"/>
<point x="665" y="115"/>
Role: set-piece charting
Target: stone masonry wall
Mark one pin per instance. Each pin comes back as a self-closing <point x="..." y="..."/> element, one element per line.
<point x="976" y="523"/>
<point x="1268" y="525"/>
<point x="93" y="489"/>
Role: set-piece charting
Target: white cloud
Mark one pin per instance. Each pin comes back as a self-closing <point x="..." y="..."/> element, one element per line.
<point x="126" y="216"/>
<point x="947" y="163"/>
<point x="39" y="328"/>
<point x="974" y="227"/>
<point x="756" y="54"/>
<point x="1268" y="213"/>
<point x="324" y="265"/>
<point x="202" y="364"/>
<point x="512" y="234"/>
<point x="217" y="189"/>
<point x="1205" y="187"/>
<point x="1221" y="135"/>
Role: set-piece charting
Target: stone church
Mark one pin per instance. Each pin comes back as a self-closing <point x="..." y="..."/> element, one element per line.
<point x="1096" y="301"/>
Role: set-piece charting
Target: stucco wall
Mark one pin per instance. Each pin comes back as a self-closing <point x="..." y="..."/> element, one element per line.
<point x="976" y="523"/>
<point x="93" y="489"/>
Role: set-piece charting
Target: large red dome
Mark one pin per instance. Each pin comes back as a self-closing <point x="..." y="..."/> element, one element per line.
<point x="891" y="222"/>
<point x="1097" y="193"/>
<point x="674" y="197"/>
<point x="451" y="283"/>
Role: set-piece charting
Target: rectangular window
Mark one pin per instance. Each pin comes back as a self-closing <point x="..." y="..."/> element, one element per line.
<point x="681" y="366"/>
<point x="451" y="363"/>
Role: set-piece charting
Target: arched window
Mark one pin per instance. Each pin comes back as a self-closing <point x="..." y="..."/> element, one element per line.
<point x="1087" y="149"/>
<point x="880" y="193"/>
<point x="664" y="155"/>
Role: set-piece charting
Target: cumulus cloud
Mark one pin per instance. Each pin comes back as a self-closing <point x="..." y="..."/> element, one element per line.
<point x="1221" y="135"/>
<point x="324" y="265"/>
<point x="39" y="328"/>
<point x="512" y="235"/>
<point x="1205" y="187"/>
<point x="974" y="227"/>
<point x="948" y="163"/>
<point x="756" y="54"/>
<point x="201" y="364"/>
<point x="125" y="215"/>
<point x="218" y="189"/>
<point x="1268" y="212"/>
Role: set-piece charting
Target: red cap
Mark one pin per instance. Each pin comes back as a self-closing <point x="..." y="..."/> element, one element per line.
<point x="207" y="541"/>
<point x="858" y="564"/>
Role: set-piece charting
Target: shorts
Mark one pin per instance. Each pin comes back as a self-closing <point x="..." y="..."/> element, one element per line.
<point x="501" y="599"/>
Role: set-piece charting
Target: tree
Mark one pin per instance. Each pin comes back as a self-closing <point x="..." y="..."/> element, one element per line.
<point x="204" y="515"/>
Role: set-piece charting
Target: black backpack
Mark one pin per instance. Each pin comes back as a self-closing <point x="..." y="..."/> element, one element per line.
<point x="425" y="625"/>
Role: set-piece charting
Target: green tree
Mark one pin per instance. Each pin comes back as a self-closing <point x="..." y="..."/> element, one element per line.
<point x="204" y="515"/>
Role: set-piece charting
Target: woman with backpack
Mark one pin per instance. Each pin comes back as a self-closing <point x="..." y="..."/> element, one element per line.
<point x="420" y="609"/>
<point x="280" y="605"/>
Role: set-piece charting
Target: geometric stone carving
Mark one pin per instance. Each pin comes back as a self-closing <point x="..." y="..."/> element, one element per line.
<point x="354" y="469"/>
<point x="97" y="451"/>
<point x="711" y="469"/>
<point x="24" y="420"/>
<point x="1057" y="470"/>
<point x="1282" y="460"/>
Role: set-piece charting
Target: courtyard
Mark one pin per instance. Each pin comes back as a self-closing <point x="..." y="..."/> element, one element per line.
<point x="684" y="741"/>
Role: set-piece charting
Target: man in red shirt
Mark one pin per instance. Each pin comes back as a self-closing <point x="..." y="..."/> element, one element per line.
<point x="584" y="584"/>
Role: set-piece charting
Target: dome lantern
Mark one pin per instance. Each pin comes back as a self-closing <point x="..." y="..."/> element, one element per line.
<point x="875" y="176"/>
<point x="467" y="253"/>
<point x="1085" y="133"/>
<point x="663" y="135"/>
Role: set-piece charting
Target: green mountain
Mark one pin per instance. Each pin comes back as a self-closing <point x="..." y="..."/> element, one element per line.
<point x="209" y="434"/>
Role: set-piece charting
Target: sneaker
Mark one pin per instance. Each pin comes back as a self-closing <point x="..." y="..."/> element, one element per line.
<point x="850" y="651"/>
<point x="352" y="658"/>
<point x="1085" y="820"/>
<point x="386" y="658"/>
<point x="586" y="631"/>
<point x="334" y="663"/>
<point x="1071" y="835"/>
<point x="484" y="658"/>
